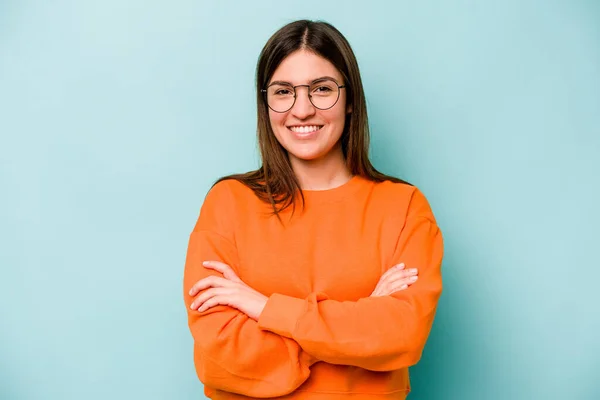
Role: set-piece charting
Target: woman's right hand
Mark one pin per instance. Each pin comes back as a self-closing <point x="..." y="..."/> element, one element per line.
<point x="395" y="279"/>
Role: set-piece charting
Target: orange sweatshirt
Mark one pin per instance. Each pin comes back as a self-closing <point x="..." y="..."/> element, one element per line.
<point x="320" y="336"/>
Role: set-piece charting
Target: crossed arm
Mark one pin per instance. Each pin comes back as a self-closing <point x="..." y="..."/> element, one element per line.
<point x="264" y="347"/>
<point x="229" y="290"/>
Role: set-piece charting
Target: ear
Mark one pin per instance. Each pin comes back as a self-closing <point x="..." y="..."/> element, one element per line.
<point x="349" y="109"/>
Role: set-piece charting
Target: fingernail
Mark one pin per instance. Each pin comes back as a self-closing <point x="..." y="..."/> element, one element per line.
<point x="414" y="278"/>
<point x="400" y="266"/>
<point x="191" y="291"/>
<point x="192" y="306"/>
<point x="412" y="270"/>
<point x="204" y="262"/>
<point x="403" y="287"/>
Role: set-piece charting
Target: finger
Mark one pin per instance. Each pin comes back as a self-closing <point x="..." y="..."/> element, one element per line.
<point x="209" y="281"/>
<point x="214" y="301"/>
<point x="386" y="274"/>
<point x="409" y="280"/>
<point x="223" y="268"/>
<point x="207" y="295"/>
<point x="401" y="284"/>
<point x="385" y="277"/>
<point x="400" y="274"/>
<point x="395" y="268"/>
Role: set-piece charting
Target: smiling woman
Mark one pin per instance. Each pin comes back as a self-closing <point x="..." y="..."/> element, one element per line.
<point x="308" y="126"/>
<point x="332" y="299"/>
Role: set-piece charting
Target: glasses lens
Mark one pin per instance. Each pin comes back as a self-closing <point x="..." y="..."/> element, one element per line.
<point x="280" y="97"/>
<point x="324" y="93"/>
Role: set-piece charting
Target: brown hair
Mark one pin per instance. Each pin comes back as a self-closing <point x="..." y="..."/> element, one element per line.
<point x="275" y="182"/>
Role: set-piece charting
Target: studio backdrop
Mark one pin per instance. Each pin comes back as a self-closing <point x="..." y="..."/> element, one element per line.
<point x="117" y="116"/>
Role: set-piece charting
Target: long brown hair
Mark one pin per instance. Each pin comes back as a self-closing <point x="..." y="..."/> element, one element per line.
<point x="275" y="182"/>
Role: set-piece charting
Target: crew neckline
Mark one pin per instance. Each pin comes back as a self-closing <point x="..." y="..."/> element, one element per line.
<point x="334" y="194"/>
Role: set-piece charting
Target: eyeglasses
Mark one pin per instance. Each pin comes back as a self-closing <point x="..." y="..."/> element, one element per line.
<point x="323" y="94"/>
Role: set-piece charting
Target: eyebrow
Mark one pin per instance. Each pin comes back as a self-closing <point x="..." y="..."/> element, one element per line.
<point x="310" y="83"/>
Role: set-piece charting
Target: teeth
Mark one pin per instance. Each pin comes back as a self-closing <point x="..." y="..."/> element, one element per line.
<point x="304" y="129"/>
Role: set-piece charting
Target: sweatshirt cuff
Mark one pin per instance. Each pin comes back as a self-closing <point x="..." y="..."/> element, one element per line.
<point x="281" y="314"/>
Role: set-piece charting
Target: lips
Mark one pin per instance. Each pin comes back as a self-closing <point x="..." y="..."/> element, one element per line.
<point x="304" y="129"/>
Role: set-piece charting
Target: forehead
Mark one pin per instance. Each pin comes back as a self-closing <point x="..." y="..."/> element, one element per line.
<point x="302" y="67"/>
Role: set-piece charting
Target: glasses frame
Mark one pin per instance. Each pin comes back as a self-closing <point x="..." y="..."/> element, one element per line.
<point x="264" y="91"/>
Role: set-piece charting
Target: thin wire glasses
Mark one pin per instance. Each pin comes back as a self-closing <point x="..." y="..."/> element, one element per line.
<point x="323" y="93"/>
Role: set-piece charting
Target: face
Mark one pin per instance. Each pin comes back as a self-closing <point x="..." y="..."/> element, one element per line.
<point x="306" y="132"/>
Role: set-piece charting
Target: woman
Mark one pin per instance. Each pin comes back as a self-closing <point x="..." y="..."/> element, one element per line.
<point x="294" y="281"/>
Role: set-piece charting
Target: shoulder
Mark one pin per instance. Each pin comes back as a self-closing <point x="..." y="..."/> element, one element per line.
<point x="406" y="199"/>
<point x="222" y="201"/>
<point x="227" y="196"/>
<point x="228" y="190"/>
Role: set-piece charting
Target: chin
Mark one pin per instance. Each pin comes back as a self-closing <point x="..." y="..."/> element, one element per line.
<point x="304" y="156"/>
<point x="307" y="155"/>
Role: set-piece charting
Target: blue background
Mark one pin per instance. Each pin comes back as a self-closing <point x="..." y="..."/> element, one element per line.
<point x="116" y="117"/>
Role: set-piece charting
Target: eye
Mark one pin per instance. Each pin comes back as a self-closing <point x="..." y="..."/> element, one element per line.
<point x="283" y="92"/>
<point x="322" y="89"/>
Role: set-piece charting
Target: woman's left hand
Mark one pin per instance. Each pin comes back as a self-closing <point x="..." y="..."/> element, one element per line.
<point x="227" y="291"/>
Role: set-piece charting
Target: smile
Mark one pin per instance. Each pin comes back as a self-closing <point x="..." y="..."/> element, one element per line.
<point x="305" y="129"/>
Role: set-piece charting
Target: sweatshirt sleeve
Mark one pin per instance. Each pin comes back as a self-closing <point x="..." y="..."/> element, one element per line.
<point x="231" y="352"/>
<point x="375" y="333"/>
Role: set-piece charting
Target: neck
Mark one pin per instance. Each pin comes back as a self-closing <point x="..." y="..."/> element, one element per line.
<point x="323" y="173"/>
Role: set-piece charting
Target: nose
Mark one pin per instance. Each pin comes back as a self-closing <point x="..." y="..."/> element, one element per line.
<point x="302" y="108"/>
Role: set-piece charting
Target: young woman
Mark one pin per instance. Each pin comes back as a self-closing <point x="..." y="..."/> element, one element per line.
<point x="301" y="277"/>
